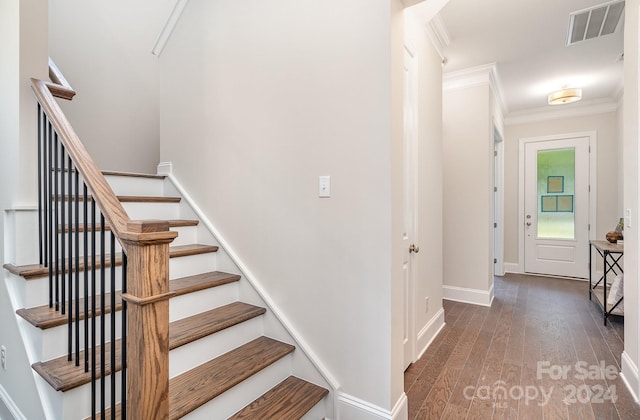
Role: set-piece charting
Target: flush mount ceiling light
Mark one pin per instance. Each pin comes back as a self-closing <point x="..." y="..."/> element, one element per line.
<point x="565" y="96"/>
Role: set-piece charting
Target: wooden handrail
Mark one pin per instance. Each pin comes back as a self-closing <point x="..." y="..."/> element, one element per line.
<point x="146" y="244"/>
<point x="59" y="86"/>
<point x="100" y="190"/>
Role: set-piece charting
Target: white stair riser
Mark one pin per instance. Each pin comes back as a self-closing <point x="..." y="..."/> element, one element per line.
<point x="125" y="185"/>
<point x="152" y="211"/>
<point x="81" y="243"/>
<point x="186" y="235"/>
<point x="76" y="403"/>
<point x="198" y="352"/>
<point x="244" y="393"/>
<point x="317" y="411"/>
<point x="192" y="265"/>
<point x="204" y="300"/>
<point x="35" y="292"/>
<point x="52" y="343"/>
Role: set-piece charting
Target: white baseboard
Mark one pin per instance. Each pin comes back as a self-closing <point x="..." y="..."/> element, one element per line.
<point x="630" y="376"/>
<point x="511" y="267"/>
<point x="353" y="408"/>
<point x="12" y="408"/>
<point x="464" y="295"/>
<point x="429" y="332"/>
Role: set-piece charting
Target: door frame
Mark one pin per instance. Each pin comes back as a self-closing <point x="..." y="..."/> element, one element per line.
<point x="593" y="169"/>
<point x="498" y="201"/>
<point x="410" y="169"/>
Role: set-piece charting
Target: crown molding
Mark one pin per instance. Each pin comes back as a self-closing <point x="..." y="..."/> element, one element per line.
<point x="547" y="113"/>
<point x="438" y="34"/>
<point x="486" y="74"/>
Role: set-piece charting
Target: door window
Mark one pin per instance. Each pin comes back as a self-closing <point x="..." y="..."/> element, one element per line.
<point x="556" y="188"/>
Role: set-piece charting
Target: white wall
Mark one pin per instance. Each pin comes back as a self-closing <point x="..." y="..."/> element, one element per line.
<point x="22" y="55"/>
<point x="606" y="128"/>
<point x="468" y="187"/>
<point x="429" y="260"/>
<point x="396" y="338"/>
<point x="631" y="356"/>
<point x="104" y="50"/>
<point x="288" y="91"/>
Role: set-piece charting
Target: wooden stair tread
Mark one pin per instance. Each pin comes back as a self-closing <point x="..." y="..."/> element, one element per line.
<point x="127" y="198"/>
<point x="147" y="199"/>
<point x="186" y="330"/>
<point x="202" y="281"/>
<point x="37" y="270"/>
<point x="133" y="175"/>
<point x="196" y="387"/>
<point x="290" y="399"/>
<point x="63" y="375"/>
<point x="44" y="317"/>
<point x="192" y="249"/>
<point x="174" y="223"/>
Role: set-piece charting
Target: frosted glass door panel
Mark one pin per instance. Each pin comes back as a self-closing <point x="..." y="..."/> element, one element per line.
<point x="556" y="189"/>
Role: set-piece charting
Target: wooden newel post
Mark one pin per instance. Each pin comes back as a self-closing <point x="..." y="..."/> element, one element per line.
<point x="147" y="297"/>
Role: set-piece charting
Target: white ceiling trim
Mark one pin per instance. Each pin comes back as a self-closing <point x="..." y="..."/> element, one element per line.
<point x="473" y="76"/>
<point x="546" y="113"/>
<point x="476" y="76"/>
<point x="439" y="35"/>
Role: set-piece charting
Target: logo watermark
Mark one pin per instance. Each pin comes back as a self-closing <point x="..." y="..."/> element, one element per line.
<point x="500" y="393"/>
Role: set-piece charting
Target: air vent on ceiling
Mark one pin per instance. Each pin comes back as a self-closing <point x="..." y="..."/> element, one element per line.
<point x="595" y="21"/>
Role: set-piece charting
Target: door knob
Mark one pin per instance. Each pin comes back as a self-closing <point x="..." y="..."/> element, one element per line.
<point x="414" y="248"/>
<point x="528" y="223"/>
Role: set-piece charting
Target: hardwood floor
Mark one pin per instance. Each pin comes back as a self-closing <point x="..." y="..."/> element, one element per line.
<point x="540" y="352"/>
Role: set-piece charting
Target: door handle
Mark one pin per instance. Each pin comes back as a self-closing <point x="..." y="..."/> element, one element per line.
<point x="528" y="223"/>
<point x="414" y="248"/>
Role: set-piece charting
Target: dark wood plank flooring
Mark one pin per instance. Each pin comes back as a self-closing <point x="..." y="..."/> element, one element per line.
<point x="507" y="361"/>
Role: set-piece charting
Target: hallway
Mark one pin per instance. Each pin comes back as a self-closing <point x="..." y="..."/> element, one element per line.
<point x="539" y="349"/>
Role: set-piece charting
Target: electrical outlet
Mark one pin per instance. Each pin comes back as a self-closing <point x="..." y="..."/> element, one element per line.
<point x="3" y="357"/>
<point x="426" y="305"/>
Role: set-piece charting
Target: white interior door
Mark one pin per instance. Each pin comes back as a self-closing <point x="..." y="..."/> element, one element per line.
<point x="556" y="207"/>
<point x="409" y="205"/>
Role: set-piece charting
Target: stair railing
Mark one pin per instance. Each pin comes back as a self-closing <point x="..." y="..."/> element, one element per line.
<point x="76" y="209"/>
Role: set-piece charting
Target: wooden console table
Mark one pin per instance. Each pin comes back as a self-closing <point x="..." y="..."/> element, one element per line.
<point x="611" y="255"/>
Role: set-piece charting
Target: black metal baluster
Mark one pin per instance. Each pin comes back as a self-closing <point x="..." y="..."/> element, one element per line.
<point x="70" y="254"/>
<point x="113" y="325"/>
<point x="40" y="144"/>
<point x="93" y="308"/>
<point x="123" y="342"/>
<point x="46" y="191"/>
<point x="77" y="266"/>
<point x="51" y="199"/>
<point x="103" y="342"/>
<point x="60" y="229"/>
<point x="54" y="228"/>
<point x="86" y="275"/>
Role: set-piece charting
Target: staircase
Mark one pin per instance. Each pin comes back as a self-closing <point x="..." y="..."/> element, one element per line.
<point x="229" y="356"/>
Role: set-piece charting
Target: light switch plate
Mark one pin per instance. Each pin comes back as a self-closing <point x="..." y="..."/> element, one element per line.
<point x="627" y="218"/>
<point x="324" y="186"/>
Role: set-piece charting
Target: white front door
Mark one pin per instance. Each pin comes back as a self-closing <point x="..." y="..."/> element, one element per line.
<point x="556" y="207"/>
<point x="409" y="204"/>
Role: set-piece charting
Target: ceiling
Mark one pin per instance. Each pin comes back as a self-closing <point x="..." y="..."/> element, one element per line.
<point x="526" y="39"/>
